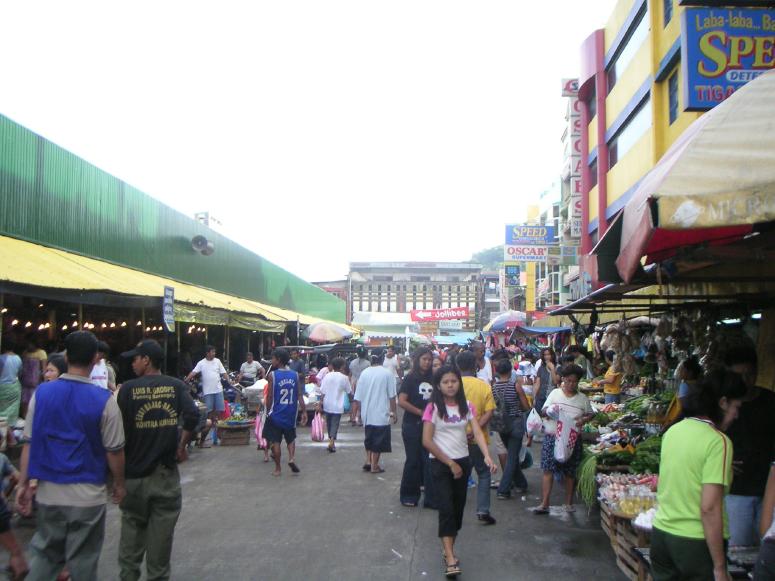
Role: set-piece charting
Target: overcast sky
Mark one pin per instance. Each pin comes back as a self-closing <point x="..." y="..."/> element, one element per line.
<point x="318" y="131"/>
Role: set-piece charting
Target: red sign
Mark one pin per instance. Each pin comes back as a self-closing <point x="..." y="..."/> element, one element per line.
<point x="439" y="314"/>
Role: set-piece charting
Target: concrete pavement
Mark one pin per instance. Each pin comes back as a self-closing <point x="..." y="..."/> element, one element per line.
<point x="333" y="521"/>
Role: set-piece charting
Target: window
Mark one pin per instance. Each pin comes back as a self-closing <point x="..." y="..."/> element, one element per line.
<point x="593" y="174"/>
<point x="627" y="50"/>
<point x="384" y="278"/>
<point x="629" y="134"/>
<point x="420" y="278"/>
<point x="667" y="11"/>
<point x="672" y="96"/>
<point x="592" y="103"/>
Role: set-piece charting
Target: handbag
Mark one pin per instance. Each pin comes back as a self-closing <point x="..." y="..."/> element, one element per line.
<point x="500" y="421"/>
<point x="317" y="431"/>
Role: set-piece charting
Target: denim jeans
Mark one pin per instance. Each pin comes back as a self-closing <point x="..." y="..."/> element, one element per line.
<point x="417" y="467"/>
<point x="332" y="423"/>
<point x="512" y="472"/>
<point x="483" y="479"/>
<point x="743" y="513"/>
<point x="613" y="398"/>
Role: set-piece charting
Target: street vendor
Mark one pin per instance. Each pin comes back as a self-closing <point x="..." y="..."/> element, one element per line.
<point x="566" y="401"/>
<point x="612" y="382"/>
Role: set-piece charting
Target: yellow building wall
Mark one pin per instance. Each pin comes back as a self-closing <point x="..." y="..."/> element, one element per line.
<point x="593" y="203"/>
<point x="631" y="80"/>
<point x="616" y="21"/>
<point x="628" y="170"/>
<point x="592" y="134"/>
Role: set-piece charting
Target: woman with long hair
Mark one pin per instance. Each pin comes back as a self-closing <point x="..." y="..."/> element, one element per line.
<point x="413" y="397"/>
<point x="547" y="377"/>
<point x="446" y="420"/>
<point x="690" y="528"/>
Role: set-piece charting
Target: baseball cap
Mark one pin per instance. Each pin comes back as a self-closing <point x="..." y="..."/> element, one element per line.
<point x="149" y="348"/>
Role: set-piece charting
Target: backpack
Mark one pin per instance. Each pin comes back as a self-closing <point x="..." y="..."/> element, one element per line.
<point x="500" y="421"/>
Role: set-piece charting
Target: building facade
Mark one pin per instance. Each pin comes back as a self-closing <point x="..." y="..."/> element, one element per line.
<point x="400" y="287"/>
<point x="654" y="69"/>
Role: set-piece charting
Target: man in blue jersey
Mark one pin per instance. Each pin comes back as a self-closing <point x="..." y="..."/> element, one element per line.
<point x="283" y="399"/>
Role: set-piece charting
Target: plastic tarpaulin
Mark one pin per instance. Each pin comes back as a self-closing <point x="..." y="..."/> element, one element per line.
<point x="541" y="330"/>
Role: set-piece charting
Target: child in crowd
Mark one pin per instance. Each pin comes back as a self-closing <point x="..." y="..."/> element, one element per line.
<point x="445" y="422"/>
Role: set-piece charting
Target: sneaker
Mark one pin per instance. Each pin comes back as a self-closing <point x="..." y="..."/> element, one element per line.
<point x="486" y="519"/>
<point x="471" y="483"/>
<point x="495" y="485"/>
<point x="503" y="496"/>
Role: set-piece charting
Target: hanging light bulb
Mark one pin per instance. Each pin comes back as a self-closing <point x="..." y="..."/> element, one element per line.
<point x="3" y="310"/>
<point x="47" y="325"/>
<point x="64" y="327"/>
<point x="74" y="325"/>
<point x="104" y="325"/>
<point x="123" y="323"/>
<point x="138" y="323"/>
<point x="28" y="324"/>
<point x="41" y="327"/>
<point x="147" y="329"/>
<point x="14" y="322"/>
<point x="40" y="306"/>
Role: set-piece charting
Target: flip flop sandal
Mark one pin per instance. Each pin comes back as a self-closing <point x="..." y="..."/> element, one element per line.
<point x="366" y="467"/>
<point x="380" y="470"/>
<point x="540" y="510"/>
<point x="452" y="570"/>
<point x="294" y="468"/>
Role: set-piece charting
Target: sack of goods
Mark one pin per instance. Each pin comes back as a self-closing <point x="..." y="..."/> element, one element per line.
<point x="255" y="393"/>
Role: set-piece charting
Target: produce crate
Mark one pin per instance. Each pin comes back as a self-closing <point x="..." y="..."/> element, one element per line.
<point x="236" y="435"/>
<point x="624" y="539"/>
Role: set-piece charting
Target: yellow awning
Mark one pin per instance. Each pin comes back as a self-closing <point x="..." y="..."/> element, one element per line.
<point x="36" y="265"/>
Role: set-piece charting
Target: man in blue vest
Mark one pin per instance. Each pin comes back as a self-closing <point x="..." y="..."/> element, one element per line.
<point x="75" y="436"/>
<point x="283" y="399"/>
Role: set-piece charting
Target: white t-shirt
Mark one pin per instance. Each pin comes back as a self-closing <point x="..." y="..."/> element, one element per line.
<point x="99" y="374"/>
<point x="335" y="385"/>
<point x="249" y="370"/>
<point x="391" y="364"/>
<point x="575" y="406"/>
<point x="450" y="434"/>
<point x="485" y="373"/>
<point x="211" y="375"/>
<point x="376" y="387"/>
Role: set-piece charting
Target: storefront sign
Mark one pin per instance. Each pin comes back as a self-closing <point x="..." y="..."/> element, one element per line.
<point x="450" y="325"/>
<point x="526" y="235"/>
<point x="514" y="253"/>
<point x="575" y="228"/>
<point x="723" y="49"/>
<point x="168" y="309"/>
<point x="563" y="256"/>
<point x="581" y="287"/>
<point x="439" y="314"/>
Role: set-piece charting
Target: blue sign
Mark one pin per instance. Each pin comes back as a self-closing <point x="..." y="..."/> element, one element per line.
<point x="526" y="235"/>
<point x="721" y="50"/>
<point x="168" y="309"/>
<point x="512" y="274"/>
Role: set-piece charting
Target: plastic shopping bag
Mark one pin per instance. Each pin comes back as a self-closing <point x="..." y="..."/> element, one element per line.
<point x="534" y="423"/>
<point x="565" y="437"/>
<point x="346" y="404"/>
<point x="260" y="421"/>
<point x="317" y="428"/>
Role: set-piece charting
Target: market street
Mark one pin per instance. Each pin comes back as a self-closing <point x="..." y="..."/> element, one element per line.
<point x="335" y="522"/>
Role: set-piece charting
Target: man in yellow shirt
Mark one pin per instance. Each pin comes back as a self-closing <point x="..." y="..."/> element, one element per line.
<point x="479" y="393"/>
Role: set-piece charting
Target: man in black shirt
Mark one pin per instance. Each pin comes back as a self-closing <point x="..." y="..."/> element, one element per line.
<point x="153" y="406"/>
<point x="752" y="435"/>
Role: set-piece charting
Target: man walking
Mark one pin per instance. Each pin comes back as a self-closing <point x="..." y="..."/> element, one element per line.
<point x="75" y="437"/>
<point x="358" y="366"/>
<point x="152" y="406"/>
<point x="483" y="365"/>
<point x="283" y="400"/>
<point x="212" y="371"/>
<point x="375" y="398"/>
<point x="297" y="363"/>
<point x="480" y="395"/>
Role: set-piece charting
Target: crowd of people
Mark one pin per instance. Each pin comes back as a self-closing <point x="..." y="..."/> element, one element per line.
<point x="464" y="413"/>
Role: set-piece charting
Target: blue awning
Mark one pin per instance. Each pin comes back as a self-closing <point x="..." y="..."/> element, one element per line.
<point x="454" y="339"/>
<point x="541" y="330"/>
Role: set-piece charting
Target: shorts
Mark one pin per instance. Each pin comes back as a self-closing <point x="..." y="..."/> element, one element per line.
<point x="497" y="444"/>
<point x="378" y="439"/>
<point x="214" y="402"/>
<point x="274" y="434"/>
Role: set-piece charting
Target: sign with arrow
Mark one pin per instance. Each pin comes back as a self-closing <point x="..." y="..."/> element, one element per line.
<point x="439" y="314"/>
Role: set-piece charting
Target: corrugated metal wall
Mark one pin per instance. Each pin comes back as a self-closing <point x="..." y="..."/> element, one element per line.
<point x="50" y="196"/>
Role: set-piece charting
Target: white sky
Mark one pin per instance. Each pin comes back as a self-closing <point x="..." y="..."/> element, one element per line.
<point x="319" y="131"/>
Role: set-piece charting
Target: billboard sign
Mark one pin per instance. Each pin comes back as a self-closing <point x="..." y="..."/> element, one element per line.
<point x="722" y="50"/>
<point x="427" y="315"/>
<point x="512" y="274"/>
<point x="521" y="253"/>
<point x="526" y="235"/>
